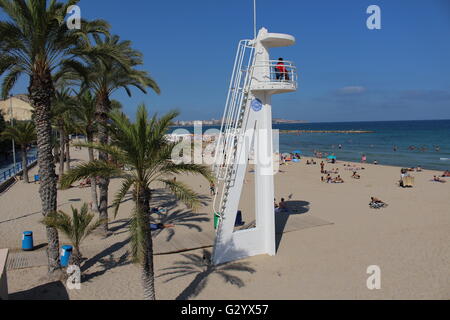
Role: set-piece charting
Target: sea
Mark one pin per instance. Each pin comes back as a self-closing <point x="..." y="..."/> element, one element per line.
<point x="424" y="143"/>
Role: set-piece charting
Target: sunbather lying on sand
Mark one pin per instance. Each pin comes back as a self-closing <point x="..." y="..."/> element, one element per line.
<point x="376" y="203"/>
<point x="158" y="226"/>
<point x="338" y="179"/>
<point x="446" y="173"/>
<point x="354" y="168"/>
<point x="85" y="183"/>
<point x="375" y="200"/>
<point x="355" y="175"/>
<point x="437" y="179"/>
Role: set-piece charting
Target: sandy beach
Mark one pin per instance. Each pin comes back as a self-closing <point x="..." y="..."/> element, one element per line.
<point x="409" y="240"/>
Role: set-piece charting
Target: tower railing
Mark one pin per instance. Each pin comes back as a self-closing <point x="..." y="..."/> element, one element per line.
<point x="276" y="74"/>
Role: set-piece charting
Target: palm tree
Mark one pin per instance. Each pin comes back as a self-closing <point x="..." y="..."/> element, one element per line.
<point x="23" y="133"/>
<point x="35" y="41"/>
<point x="104" y="76"/>
<point x="85" y="122"/>
<point x="62" y="108"/>
<point x="144" y="153"/>
<point x="69" y="128"/>
<point x="76" y="228"/>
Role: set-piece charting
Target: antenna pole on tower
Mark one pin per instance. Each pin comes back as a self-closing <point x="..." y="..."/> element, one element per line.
<point x="254" y="18"/>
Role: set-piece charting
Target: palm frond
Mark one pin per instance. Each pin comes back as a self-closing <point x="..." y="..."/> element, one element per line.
<point x="76" y="227"/>
<point x="118" y="198"/>
<point x="90" y="169"/>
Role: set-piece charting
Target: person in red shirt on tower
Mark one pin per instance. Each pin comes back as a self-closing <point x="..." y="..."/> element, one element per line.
<point x="281" y="71"/>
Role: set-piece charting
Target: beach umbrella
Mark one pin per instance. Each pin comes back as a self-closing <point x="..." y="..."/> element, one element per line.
<point x="332" y="157"/>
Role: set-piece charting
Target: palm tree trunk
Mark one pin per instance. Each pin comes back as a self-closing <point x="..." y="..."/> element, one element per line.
<point x="67" y="153"/>
<point x="24" y="164"/>
<point x="147" y="276"/>
<point x="56" y="153"/>
<point x="93" y="179"/>
<point x="62" y="145"/>
<point x="103" y="107"/>
<point x="76" y="258"/>
<point x="41" y="91"/>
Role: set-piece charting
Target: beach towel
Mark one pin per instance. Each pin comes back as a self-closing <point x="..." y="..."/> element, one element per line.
<point x="378" y="205"/>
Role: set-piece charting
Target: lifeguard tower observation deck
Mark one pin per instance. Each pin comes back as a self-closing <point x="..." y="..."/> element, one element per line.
<point x="247" y="127"/>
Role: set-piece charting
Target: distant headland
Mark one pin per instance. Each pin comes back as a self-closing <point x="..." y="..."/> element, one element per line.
<point x="214" y="122"/>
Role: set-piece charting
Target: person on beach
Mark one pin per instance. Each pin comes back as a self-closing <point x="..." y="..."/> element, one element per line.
<point x="338" y="179"/>
<point x="375" y="200"/>
<point x="355" y="175"/>
<point x="446" y="173"/>
<point x="376" y="203"/>
<point x="437" y="179"/>
<point x="363" y="158"/>
<point x="160" y="226"/>
<point x="85" y="183"/>
<point x="322" y="166"/>
<point x="375" y="162"/>
<point x="212" y="189"/>
<point x="404" y="173"/>
<point x="282" y="205"/>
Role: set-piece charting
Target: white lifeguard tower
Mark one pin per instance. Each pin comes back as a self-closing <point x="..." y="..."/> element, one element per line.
<point x="246" y="127"/>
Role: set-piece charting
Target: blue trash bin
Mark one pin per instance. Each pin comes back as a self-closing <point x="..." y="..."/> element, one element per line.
<point x="66" y="252"/>
<point x="27" y="241"/>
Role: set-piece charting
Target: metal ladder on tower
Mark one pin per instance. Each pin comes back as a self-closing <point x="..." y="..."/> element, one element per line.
<point x="235" y="113"/>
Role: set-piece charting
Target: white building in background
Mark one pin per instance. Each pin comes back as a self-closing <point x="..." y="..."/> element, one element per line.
<point x="21" y="108"/>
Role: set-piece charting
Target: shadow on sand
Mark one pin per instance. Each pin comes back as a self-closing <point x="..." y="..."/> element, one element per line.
<point x="110" y="257"/>
<point x="200" y="265"/>
<point x="107" y="260"/>
<point x="49" y="291"/>
<point x="281" y="218"/>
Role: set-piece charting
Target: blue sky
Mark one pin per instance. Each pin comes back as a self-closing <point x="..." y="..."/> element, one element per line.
<point x="346" y="71"/>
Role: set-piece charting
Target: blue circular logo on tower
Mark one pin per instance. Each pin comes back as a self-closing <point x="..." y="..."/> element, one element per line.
<point x="256" y="105"/>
